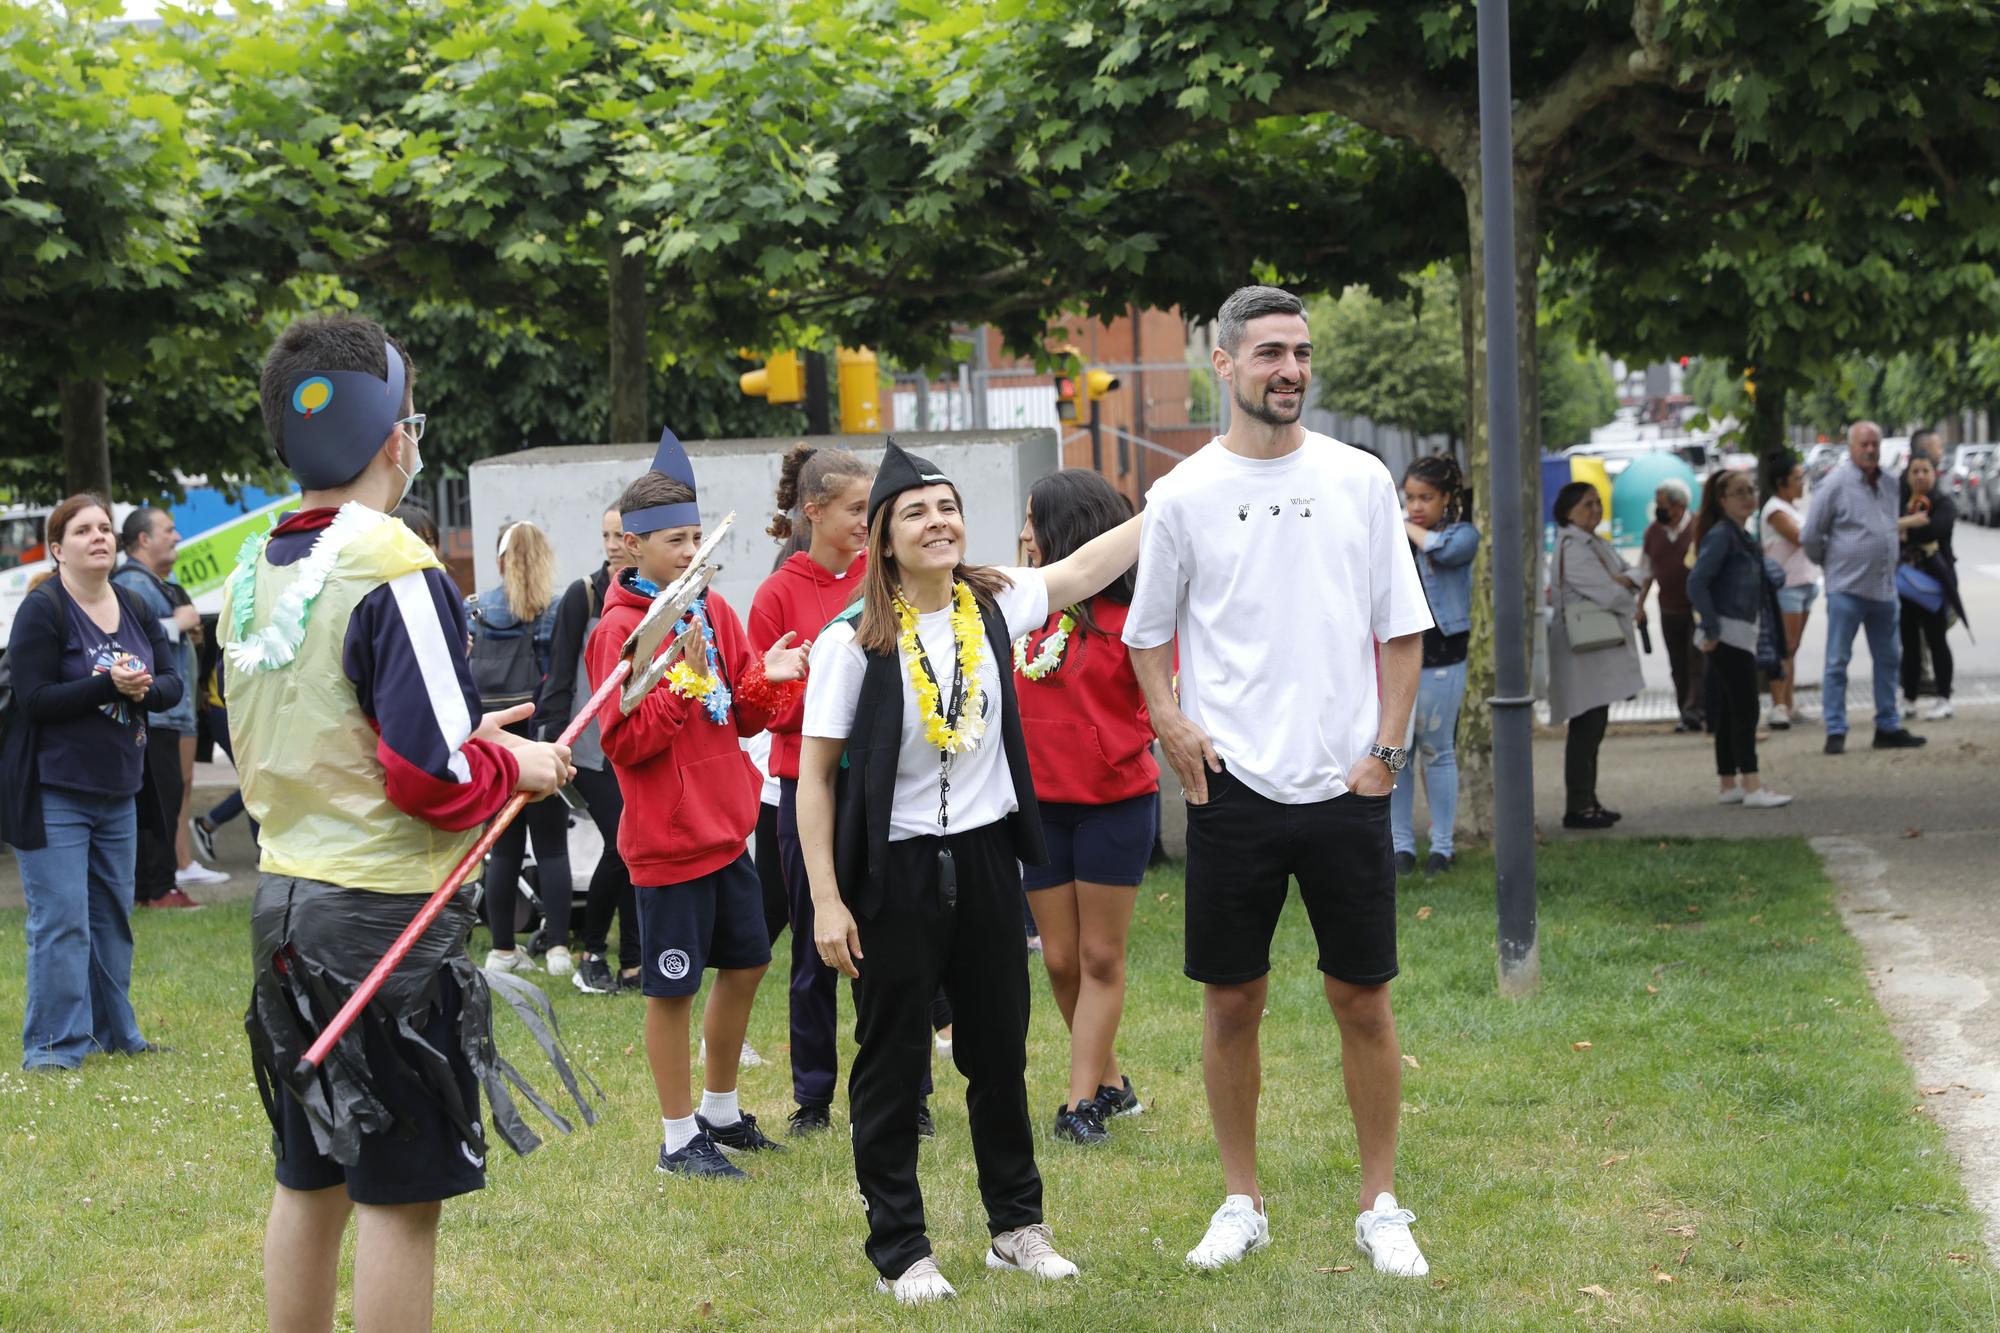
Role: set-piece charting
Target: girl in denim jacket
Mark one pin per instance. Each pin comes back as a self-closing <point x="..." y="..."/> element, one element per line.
<point x="1435" y="502"/>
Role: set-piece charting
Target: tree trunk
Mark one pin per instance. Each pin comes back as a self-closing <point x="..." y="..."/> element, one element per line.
<point x="626" y="281"/>
<point x="1765" y="430"/>
<point x="86" y="442"/>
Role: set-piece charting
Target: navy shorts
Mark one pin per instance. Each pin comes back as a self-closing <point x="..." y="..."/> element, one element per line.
<point x="715" y="921"/>
<point x="1244" y="849"/>
<point x="1098" y="844"/>
<point x="431" y="1165"/>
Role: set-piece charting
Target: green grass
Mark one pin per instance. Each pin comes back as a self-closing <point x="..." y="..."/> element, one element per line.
<point x="1741" y="1121"/>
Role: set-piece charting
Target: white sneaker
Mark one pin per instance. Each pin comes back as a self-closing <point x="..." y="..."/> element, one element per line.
<point x="1781" y="717"/>
<point x="1029" y="1249"/>
<point x="1383" y="1234"/>
<point x="1803" y="712"/>
<point x="558" y="962"/>
<point x="1729" y="796"/>
<point x="920" y="1283"/>
<point x="509" y="960"/>
<point x="1765" y="799"/>
<point x="197" y="873"/>
<point x="747" y="1058"/>
<point x="1237" y="1229"/>
<point x="1940" y="710"/>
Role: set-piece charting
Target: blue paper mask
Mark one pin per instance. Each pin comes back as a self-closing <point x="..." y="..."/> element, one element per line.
<point x="670" y="460"/>
<point x="336" y="420"/>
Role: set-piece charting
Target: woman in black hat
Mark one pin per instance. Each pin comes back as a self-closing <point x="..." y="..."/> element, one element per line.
<point x="914" y="859"/>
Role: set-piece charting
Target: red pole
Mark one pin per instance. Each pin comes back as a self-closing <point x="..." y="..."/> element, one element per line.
<point x="419" y="923"/>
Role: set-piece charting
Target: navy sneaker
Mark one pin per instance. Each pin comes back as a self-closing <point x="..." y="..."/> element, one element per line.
<point x="926" y="1127"/>
<point x="1113" y="1102"/>
<point x="593" y="976"/>
<point x="809" y="1119"/>
<point x="1083" y="1125"/>
<point x="1440" y="864"/>
<point x="1406" y="863"/>
<point x="700" y="1158"/>
<point x="743" y="1136"/>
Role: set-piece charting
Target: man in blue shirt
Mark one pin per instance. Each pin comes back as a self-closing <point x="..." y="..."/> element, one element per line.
<point x="1850" y="533"/>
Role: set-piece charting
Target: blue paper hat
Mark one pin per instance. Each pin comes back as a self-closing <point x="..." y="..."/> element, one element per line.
<point x="670" y="460"/>
<point x="336" y="420"/>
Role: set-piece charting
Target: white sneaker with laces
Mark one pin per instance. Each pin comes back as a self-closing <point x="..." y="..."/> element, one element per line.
<point x="1940" y="710"/>
<point x="1238" y="1228"/>
<point x="1029" y="1249"/>
<point x="1765" y="799"/>
<point x="509" y="960"/>
<point x="558" y="962"/>
<point x="197" y="873"/>
<point x="1781" y="716"/>
<point x="920" y="1283"/>
<point x="1729" y="796"/>
<point x="1383" y="1234"/>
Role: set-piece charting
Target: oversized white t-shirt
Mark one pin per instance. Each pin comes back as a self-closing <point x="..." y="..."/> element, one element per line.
<point x="982" y="785"/>
<point x="1278" y="576"/>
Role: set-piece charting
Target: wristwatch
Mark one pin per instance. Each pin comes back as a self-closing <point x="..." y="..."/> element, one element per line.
<point x="1393" y="758"/>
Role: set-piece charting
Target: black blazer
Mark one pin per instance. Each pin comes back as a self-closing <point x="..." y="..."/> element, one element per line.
<point x="34" y="663"/>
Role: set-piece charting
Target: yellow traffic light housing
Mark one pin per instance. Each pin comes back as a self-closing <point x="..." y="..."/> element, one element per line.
<point x="782" y="380"/>
<point x="860" y="391"/>
<point x="1098" y="383"/>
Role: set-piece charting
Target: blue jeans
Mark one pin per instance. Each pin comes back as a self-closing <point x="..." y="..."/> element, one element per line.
<point x="1434" y="739"/>
<point x="79" y="892"/>
<point x="1846" y="613"/>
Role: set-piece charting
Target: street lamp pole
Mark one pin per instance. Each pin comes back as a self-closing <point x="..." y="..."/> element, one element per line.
<point x="1512" y="704"/>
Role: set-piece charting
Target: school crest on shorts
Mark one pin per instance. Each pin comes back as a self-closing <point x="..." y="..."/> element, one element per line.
<point x="673" y="964"/>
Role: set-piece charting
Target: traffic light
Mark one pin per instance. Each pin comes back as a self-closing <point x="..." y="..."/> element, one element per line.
<point x="782" y="380"/>
<point x="860" y="391"/>
<point x="1065" y="398"/>
<point x="1097" y="383"/>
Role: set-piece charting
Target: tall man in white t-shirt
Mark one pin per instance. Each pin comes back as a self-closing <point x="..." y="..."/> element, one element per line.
<point x="1278" y="560"/>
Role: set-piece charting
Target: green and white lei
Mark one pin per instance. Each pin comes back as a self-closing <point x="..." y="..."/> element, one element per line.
<point x="277" y="643"/>
<point x="1051" y="655"/>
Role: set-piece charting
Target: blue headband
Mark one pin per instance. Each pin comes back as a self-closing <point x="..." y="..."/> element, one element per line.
<point x="336" y="420"/>
<point x="670" y="460"/>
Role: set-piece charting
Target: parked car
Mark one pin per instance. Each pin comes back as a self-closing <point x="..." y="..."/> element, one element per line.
<point x="1982" y="492"/>
<point x="1821" y="459"/>
<point x="1961" y="476"/>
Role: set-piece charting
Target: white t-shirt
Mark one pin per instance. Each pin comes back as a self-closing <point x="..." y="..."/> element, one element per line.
<point x="1278" y="576"/>
<point x="1798" y="568"/>
<point x="982" y="786"/>
<point x="758" y="747"/>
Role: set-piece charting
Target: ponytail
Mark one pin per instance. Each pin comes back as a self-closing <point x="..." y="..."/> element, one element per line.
<point x="811" y="475"/>
<point x="1440" y="472"/>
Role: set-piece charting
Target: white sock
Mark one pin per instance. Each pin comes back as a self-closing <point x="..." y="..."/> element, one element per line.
<point x="719" y="1108"/>
<point x="679" y="1133"/>
<point x="1247" y="1202"/>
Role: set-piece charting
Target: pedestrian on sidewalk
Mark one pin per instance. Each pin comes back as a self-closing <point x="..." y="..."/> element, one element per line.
<point x="1784" y="481"/>
<point x="1851" y="533"/>
<point x="1927" y="584"/>
<point x="1666" y="552"/>
<point x="1729" y="590"/>
<point x="1593" y="658"/>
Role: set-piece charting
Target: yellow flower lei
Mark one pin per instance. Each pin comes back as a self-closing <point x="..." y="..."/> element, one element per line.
<point x="688" y="683"/>
<point x="968" y="631"/>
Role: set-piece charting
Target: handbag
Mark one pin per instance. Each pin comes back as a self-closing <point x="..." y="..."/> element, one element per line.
<point x="1588" y="626"/>
<point x="1917" y="584"/>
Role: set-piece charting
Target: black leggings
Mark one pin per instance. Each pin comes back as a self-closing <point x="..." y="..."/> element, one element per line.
<point x="1586" y="734"/>
<point x="548" y="820"/>
<point x="1732" y="709"/>
<point x="611" y="882"/>
<point x="1921" y="626"/>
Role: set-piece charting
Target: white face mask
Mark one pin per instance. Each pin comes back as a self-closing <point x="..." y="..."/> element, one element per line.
<point x="410" y="477"/>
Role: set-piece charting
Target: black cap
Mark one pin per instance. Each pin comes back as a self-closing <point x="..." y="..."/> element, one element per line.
<point x="901" y="471"/>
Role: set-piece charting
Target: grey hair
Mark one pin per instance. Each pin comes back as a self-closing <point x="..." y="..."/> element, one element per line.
<point x="1678" y="487"/>
<point x="1248" y="303"/>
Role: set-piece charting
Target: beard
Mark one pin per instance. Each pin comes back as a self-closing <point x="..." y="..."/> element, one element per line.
<point x="1263" y="411"/>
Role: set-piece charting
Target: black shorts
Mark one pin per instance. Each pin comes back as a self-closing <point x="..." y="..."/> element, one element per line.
<point x="715" y="921"/>
<point x="1243" y="851"/>
<point x="434" y="1164"/>
<point x="1098" y="844"/>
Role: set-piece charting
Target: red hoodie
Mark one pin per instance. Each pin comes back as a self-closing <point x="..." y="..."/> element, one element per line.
<point x="801" y="596"/>
<point x="690" y="791"/>
<point x="1089" y="739"/>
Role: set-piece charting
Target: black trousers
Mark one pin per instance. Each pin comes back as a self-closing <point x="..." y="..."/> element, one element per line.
<point x="548" y="821"/>
<point x="771" y="873"/>
<point x="1685" y="661"/>
<point x="1732" y="709"/>
<point x="1586" y="734"/>
<point x="611" y="882"/>
<point x="977" y="952"/>
<point x="1920" y="627"/>
<point x="153" y="868"/>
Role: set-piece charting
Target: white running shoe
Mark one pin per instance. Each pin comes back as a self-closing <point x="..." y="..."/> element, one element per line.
<point x="1729" y="796"/>
<point x="1804" y="712"/>
<point x="1940" y="710"/>
<point x="558" y="962"/>
<point x="196" y="873"/>
<point x="920" y="1283"/>
<point x="747" y="1058"/>
<point x="1029" y="1249"/>
<point x="1237" y="1229"/>
<point x="509" y="960"/>
<point x="1765" y="799"/>
<point x="1383" y="1234"/>
<point x="1781" y="717"/>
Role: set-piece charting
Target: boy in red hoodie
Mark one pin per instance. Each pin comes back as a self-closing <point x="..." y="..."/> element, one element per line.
<point x="682" y="771"/>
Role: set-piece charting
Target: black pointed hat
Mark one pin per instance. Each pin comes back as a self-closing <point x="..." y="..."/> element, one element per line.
<point x="670" y="460"/>
<point x="901" y="471"/>
<point x="337" y="420"/>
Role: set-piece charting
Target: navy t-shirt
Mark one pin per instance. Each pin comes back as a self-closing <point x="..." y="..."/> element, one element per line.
<point x="104" y="752"/>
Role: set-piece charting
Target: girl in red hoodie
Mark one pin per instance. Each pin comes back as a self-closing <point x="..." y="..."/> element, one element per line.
<point x="682" y="771"/>
<point x="1090" y="747"/>
<point x="802" y="596"/>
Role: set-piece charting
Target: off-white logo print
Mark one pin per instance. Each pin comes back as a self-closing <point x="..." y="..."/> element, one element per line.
<point x="673" y="964"/>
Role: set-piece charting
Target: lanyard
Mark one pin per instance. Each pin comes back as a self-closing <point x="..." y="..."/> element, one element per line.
<point x="954" y="707"/>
